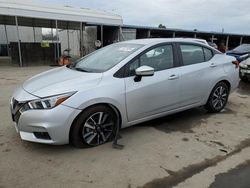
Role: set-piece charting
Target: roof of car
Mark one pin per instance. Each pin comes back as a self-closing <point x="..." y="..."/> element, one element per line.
<point x="155" y="40"/>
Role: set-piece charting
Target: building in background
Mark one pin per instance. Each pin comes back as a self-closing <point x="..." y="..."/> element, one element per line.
<point x="35" y="34"/>
<point x="76" y="29"/>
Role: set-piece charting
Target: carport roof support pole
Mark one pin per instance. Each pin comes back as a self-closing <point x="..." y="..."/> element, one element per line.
<point x="227" y="42"/>
<point x="57" y="41"/>
<point x="173" y="34"/>
<point x="19" y="43"/>
<point x="7" y="40"/>
<point x="241" y="40"/>
<point x="81" y="40"/>
<point x="118" y="34"/>
<point x="34" y="34"/>
<point x="102" y="34"/>
<point x="68" y="36"/>
<point x="121" y="34"/>
<point x="149" y="33"/>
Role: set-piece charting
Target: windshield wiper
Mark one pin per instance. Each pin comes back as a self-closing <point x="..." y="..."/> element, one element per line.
<point x="81" y="69"/>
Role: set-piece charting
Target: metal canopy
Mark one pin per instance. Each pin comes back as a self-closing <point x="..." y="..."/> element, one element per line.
<point x="38" y="15"/>
<point x="36" y="22"/>
<point x="28" y="13"/>
<point x="183" y="31"/>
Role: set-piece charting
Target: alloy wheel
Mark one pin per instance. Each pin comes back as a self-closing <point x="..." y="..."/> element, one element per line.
<point x="98" y="128"/>
<point x="219" y="98"/>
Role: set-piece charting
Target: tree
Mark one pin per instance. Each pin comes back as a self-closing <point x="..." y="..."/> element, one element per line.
<point x="162" y="26"/>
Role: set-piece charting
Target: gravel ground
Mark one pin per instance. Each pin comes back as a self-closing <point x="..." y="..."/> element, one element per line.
<point x="188" y="149"/>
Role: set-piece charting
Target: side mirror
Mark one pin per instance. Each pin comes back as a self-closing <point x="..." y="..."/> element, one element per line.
<point x="143" y="71"/>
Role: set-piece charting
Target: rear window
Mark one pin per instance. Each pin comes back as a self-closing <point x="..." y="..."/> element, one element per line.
<point x="192" y="54"/>
<point x="208" y="54"/>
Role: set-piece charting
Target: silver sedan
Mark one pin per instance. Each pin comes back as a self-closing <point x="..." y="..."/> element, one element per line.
<point x="121" y="85"/>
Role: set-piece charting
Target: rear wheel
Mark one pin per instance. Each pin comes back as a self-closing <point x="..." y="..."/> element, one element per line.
<point x="218" y="98"/>
<point x="95" y="126"/>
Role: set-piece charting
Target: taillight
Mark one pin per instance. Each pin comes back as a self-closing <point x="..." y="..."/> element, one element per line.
<point x="236" y="63"/>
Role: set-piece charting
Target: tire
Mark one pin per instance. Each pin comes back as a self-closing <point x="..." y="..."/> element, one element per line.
<point x="94" y="126"/>
<point x="218" y="98"/>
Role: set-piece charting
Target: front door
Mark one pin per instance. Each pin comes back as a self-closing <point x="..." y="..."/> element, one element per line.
<point x="155" y="94"/>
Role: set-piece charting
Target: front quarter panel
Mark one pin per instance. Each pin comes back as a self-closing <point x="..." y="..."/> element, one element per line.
<point x="110" y="90"/>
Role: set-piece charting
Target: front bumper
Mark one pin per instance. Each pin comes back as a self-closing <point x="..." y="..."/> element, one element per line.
<point x="245" y="73"/>
<point x="53" y="123"/>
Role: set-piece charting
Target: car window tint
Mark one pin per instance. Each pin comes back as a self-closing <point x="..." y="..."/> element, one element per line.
<point x="159" y="58"/>
<point x="192" y="54"/>
<point x="208" y="54"/>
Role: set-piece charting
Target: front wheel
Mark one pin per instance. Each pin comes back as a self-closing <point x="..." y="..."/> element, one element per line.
<point x="95" y="126"/>
<point x="218" y="98"/>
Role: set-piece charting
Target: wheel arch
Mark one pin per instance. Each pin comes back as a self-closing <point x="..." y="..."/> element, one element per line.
<point x="211" y="89"/>
<point x="227" y="83"/>
<point x="111" y="106"/>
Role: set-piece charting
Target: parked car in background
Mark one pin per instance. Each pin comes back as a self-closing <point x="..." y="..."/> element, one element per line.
<point x="239" y="51"/>
<point x="245" y="70"/>
<point x="121" y="85"/>
<point x="203" y="41"/>
<point x="212" y="44"/>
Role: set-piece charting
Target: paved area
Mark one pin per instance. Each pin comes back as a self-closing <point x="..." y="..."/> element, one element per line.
<point x="188" y="149"/>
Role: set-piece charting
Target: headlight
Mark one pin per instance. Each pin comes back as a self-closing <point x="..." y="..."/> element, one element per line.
<point x="243" y="65"/>
<point x="48" y="103"/>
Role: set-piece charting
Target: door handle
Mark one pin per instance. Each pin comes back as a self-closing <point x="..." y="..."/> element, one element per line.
<point x="173" y="77"/>
<point x="213" y="65"/>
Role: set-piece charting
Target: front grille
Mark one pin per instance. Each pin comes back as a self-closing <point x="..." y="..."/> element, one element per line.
<point x="17" y="116"/>
<point x="246" y="68"/>
<point x="16" y="105"/>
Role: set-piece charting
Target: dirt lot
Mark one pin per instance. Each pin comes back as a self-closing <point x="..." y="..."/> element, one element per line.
<point x="188" y="149"/>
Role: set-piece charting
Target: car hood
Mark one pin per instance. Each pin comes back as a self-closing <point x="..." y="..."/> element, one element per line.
<point x="234" y="52"/>
<point x="247" y="61"/>
<point x="60" y="80"/>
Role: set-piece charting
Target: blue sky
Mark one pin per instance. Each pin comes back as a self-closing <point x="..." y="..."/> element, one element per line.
<point x="204" y="15"/>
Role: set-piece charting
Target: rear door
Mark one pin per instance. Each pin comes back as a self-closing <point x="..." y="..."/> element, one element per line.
<point x="198" y="72"/>
<point x="157" y="93"/>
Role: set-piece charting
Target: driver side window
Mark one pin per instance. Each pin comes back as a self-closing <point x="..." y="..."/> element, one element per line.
<point x="159" y="58"/>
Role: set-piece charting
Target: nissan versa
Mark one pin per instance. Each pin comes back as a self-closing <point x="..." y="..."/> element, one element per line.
<point x="121" y="85"/>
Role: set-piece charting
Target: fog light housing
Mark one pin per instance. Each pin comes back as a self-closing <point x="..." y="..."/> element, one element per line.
<point x="42" y="135"/>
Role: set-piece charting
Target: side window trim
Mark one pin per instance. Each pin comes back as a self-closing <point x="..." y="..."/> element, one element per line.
<point x="204" y="55"/>
<point x="178" y="47"/>
<point x="175" y="57"/>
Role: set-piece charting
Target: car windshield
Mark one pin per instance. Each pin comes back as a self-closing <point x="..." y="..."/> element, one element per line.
<point x="243" y="48"/>
<point x="105" y="58"/>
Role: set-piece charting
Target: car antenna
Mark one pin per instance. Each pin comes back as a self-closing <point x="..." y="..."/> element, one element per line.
<point x="115" y="145"/>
